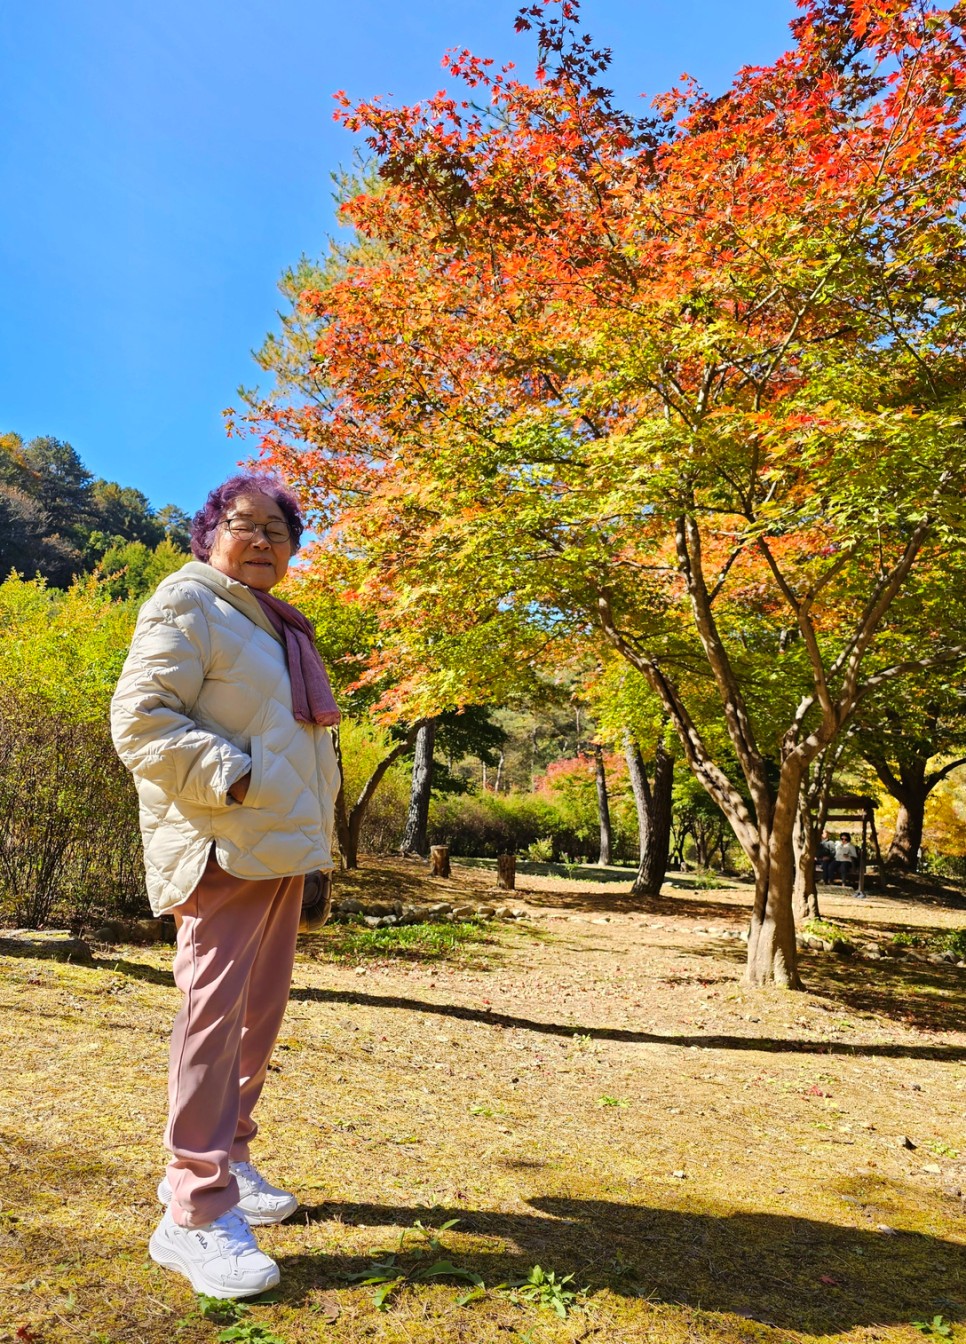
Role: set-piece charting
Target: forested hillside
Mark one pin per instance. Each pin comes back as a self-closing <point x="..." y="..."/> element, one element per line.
<point x="58" y="520"/>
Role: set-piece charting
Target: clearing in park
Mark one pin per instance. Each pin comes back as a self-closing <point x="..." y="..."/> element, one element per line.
<point x="576" y="1125"/>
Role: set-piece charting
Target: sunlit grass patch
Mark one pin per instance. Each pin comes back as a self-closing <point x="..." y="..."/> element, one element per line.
<point x="462" y="942"/>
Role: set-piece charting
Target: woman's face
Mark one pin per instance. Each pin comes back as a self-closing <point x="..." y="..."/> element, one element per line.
<point x="254" y="560"/>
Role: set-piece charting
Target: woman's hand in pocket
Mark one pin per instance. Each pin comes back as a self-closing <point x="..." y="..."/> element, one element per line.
<point x="239" y="789"/>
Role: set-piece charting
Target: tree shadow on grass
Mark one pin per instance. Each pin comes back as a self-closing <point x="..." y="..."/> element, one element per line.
<point x="595" y="902"/>
<point x="499" y="1021"/>
<point x="791" y="1272"/>
<point x="135" y="969"/>
<point x="929" y="998"/>
<point x="917" y="994"/>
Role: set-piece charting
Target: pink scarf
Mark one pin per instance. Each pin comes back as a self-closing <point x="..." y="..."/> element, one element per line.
<point x="312" y="698"/>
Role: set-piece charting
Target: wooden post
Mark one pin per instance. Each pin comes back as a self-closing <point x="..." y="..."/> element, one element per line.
<point x="439" y="861"/>
<point x="506" y="871"/>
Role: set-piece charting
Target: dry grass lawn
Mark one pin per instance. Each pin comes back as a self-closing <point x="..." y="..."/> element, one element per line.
<point x="592" y="1092"/>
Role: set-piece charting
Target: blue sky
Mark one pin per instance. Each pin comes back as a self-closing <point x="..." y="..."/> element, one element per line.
<point x="162" y="164"/>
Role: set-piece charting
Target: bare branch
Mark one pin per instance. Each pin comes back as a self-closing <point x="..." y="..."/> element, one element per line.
<point x="878" y="604"/>
<point x="717" y="783"/>
<point x="953" y="655"/>
<point x="800" y="609"/>
<point x="936" y="776"/>
<point x="688" y="545"/>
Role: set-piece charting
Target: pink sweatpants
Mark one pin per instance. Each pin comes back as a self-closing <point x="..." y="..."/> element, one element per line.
<point x="233" y="964"/>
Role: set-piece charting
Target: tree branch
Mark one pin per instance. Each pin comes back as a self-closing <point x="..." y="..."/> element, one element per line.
<point x="688" y="545"/>
<point x="713" y="779"/>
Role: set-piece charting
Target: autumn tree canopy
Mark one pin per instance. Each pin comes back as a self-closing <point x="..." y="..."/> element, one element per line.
<point x="692" y="381"/>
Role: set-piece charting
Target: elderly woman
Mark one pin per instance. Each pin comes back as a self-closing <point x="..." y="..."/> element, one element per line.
<point x="221" y="713"/>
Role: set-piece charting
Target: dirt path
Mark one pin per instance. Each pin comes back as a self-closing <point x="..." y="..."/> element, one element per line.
<point x="593" y="1092"/>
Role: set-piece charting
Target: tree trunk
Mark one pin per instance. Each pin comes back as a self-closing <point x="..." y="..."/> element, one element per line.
<point x="677" y="848"/>
<point x="341" y="815"/>
<point x="506" y="871"/>
<point x="721" y="845"/>
<point x="772" y="957"/>
<point x="603" y="808"/>
<point x="772" y="950"/>
<point x="805" y="845"/>
<point x="701" y="853"/>
<point x="417" y="820"/>
<point x="907" y="839"/>
<point x="439" y="861"/>
<point x="653" y="803"/>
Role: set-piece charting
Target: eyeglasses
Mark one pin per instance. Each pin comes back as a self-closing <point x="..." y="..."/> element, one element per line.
<point x="275" y="532"/>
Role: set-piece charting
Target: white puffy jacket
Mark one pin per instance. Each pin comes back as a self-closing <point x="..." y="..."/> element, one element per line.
<point x="204" y="697"/>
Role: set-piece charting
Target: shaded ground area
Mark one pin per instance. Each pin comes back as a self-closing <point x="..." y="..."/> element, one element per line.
<point x="592" y="1091"/>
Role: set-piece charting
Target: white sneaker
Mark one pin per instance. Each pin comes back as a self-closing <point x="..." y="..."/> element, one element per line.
<point x="221" y="1259"/>
<point x="259" y="1203"/>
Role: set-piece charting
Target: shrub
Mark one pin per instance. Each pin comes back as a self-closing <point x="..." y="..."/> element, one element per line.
<point x="69" y="840"/>
<point x="570" y="788"/>
<point x="954" y="940"/>
<point x="363" y="746"/>
<point x="483" y="825"/>
<point x="541" y="851"/>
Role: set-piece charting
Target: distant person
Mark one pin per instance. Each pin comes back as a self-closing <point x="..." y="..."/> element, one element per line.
<point x="826" y="857"/>
<point x="222" y="714"/>
<point x="846" y="859"/>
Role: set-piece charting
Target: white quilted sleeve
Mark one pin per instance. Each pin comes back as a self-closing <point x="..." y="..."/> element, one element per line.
<point x="331" y="781"/>
<point x="153" y="732"/>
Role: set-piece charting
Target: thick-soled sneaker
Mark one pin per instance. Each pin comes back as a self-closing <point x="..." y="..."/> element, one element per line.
<point x="259" y="1203"/>
<point x="221" y="1259"/>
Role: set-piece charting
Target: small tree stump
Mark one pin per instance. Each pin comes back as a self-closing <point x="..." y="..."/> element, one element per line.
<point x="439" y="861"/>
<point x="506" y="871"/>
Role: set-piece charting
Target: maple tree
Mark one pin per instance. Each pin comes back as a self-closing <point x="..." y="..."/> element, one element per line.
<point x="632" y="719"/>
<point x="694" y="379"/>
<point x="913" y="744"/>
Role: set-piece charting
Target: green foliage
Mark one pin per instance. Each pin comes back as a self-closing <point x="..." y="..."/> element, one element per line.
<point x="177" y="526"/>
<point x="907" y="940"/>
<point x="231" y="1315"/>
<point x="543" y="1288"/>
<point x="570" y="787"/>
<point x="483" y="825"/>
<point x="224" y="1310"/>
<point x="945" y="940"/>
<point x="124" y="513"/>
<point x="468" y="732"/>
<point x="67" y="649"/>
<point x="248" y="1332"/>
<point x="937" y="1328"/>
<point x="829" y="932"/>
<point x="131" y="570"/>
<point x="943" y="1149"/>
<point x="541" y="851"/>
<point x="388" y="1272"/>
<point x="954" y="940"/>
<point x="699" y="829"/>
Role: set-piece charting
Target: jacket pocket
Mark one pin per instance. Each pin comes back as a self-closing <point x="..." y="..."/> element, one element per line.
<point x="257" y="753"/>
